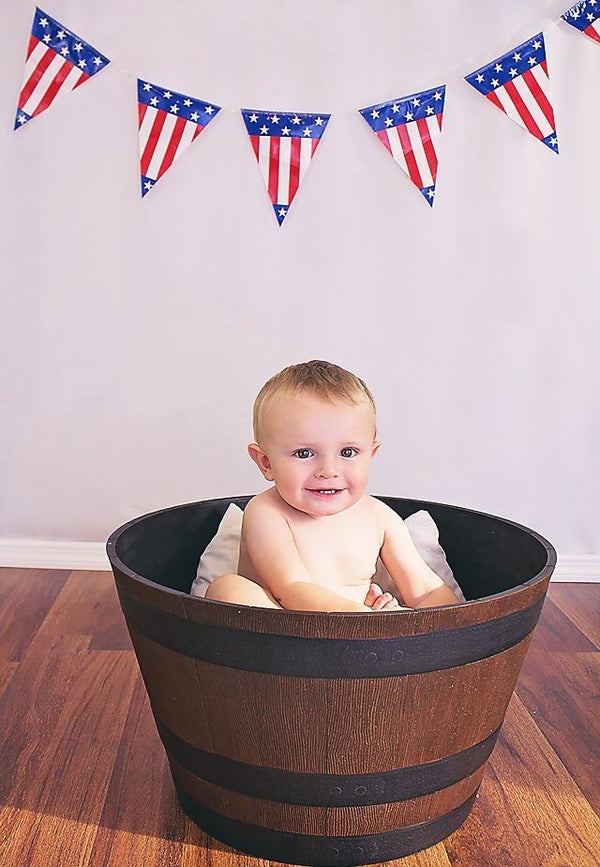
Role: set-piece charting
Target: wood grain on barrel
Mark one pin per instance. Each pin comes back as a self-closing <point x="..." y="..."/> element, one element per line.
<point x="342" y="821"/>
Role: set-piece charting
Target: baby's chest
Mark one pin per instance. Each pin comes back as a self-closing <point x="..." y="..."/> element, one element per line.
<point x="340" y="555"/>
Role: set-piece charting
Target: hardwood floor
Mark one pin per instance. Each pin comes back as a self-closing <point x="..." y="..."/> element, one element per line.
<point x="84" y="781"/>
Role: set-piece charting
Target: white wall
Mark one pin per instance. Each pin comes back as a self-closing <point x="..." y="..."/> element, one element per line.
<point x="136" y="333"/>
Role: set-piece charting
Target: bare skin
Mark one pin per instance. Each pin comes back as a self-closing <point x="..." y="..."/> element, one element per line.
<point x="311" y="541"/>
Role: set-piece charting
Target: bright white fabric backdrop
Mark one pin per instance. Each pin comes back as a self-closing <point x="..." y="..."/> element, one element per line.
<point x="136" y="333"/>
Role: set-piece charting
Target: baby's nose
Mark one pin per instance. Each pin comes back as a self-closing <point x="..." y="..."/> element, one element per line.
<point x="327" y="470"/>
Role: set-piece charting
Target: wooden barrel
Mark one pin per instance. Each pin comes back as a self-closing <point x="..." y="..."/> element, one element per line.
<point x="330" y="739"/>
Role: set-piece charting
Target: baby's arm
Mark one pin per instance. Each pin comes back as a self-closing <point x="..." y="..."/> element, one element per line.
<point x="419" y="585"/>
<point x="279" y="567"/>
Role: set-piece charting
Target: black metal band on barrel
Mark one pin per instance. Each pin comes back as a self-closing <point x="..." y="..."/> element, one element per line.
<point x="327" y="790"/>
<point x="330" y="657"/>
<point x="325" y="851"/>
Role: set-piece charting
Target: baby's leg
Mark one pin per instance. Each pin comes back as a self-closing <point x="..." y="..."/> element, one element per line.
<point x="241" y="591"/>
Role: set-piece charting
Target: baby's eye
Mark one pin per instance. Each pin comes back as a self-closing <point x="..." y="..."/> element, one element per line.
<point x="348" y="452"/>
<point x="303" y="453"/>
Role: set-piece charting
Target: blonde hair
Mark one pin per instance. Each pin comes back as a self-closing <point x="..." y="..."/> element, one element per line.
<point x="322" y="379"/>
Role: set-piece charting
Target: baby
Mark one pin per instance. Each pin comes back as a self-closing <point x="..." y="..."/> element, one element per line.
<point x="311" y="541"/>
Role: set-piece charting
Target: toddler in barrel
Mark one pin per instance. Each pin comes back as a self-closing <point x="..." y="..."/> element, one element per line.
<point x="312" y="540"/>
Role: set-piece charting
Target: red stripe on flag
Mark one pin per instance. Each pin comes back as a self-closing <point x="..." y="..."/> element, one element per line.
<point x="273" y="168"/>
<point x="592" y="33"/>
<point x="157" y="126"/>
<point x="33" y="41"/>
<point x="141" y="112"/>
<point x="197" y="131"/>
<point x="383" y="136"/>
<point x="315" y="143"/>
<point x="55" y="86"/>
<point x="411" y="163"/>
<point x="540" y="96"/>
<point x="83" y="77"/>
<point x="294" y="168"/>
<point x="439" y="119"/>
<point x="172" y="146"/>
<point x="495" y="101"/>
<point x="254" y="143"/>
<point x="35" y="76"/>
<point x="430" y="154"/>
<point x="522" y="109"/>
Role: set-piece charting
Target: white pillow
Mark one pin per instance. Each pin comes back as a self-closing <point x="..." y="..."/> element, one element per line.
<point x="222" y="553"/>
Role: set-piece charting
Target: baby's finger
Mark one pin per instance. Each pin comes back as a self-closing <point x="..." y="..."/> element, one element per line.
<point x="373" y="593"/>
<point x="391" y="604"/>
<point x="384" y="601"/>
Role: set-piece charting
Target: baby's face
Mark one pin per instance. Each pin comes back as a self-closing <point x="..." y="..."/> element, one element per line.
<point x="318" y="453"/>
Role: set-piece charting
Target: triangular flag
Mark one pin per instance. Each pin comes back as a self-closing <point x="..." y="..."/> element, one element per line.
<point x="57" y="62"/>
<point x="518" y="84"/>
<point x="410" y="127"/>
<point x="585" y="17"/>
<point x="284" y="144"/>
<point x="168" y="123"/>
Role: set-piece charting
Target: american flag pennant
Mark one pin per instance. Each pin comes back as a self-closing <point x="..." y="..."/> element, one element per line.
<point x="57" y="62"/>
<point x="284" y="144"/>
<point x="518" y="84"/>
<point x="585" y="17"/>
<point x="410" y="127"/>
<point x="168" y="123"/>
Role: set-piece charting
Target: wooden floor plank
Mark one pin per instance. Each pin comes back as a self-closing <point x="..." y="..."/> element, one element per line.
<point x="559" y="685"/>
<point x="140" y="823"/>
<point x="529" y="811"/>
<point x="7" y="670"/>
<point x="26" y="596"/>
<point x="112" y="635"/>
<point x="581" y="604"/>
<point x="62" y="718"/>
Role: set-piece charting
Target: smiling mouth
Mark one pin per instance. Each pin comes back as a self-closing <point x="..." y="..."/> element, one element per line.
<point x="327" y="491"/>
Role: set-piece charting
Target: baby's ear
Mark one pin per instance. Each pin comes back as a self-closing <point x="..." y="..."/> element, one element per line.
<point x="261" y="460"/>
<point x="375" y="448"/>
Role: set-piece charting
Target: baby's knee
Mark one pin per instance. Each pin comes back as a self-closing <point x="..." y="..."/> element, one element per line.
<point x="225" y="588"/>
<point x="240" y="591"/>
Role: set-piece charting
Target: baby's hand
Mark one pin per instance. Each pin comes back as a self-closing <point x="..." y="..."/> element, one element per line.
<point x="377" y="600"/>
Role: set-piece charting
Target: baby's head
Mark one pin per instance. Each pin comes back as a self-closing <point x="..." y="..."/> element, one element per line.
<point x="322" y="380"/>
<point x="315" y="427"/>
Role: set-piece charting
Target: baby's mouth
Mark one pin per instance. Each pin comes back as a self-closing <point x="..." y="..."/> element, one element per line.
<point x="325" y="491"/>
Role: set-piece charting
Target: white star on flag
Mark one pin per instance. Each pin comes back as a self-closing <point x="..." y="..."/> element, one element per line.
<point x="284" y="150"/>
<point x="55" y="65"/>
<point x="167" y="128"/>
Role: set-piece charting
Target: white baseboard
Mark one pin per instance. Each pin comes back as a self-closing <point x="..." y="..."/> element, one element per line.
<point x="91" y="556"/>
<point x="49" y="554"/>
<point x="578" y="567"/>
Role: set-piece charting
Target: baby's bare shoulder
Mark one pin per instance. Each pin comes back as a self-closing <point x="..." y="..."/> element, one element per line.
<point x="386" y="516"/>
<point x="378" y="509"/>
<point x="263" y="507"/>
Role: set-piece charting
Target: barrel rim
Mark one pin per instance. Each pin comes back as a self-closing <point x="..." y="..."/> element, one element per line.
<point x="542" y="575"/>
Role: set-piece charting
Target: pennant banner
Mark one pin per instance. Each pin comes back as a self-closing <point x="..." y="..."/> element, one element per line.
<point x="410" y="128"/>
<point x="57" y="62"/>
<point x="284" y="144"/>
<point x="518" y="84"/>
<point x="168" y="123"/>
<point x="585" y="17"/>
